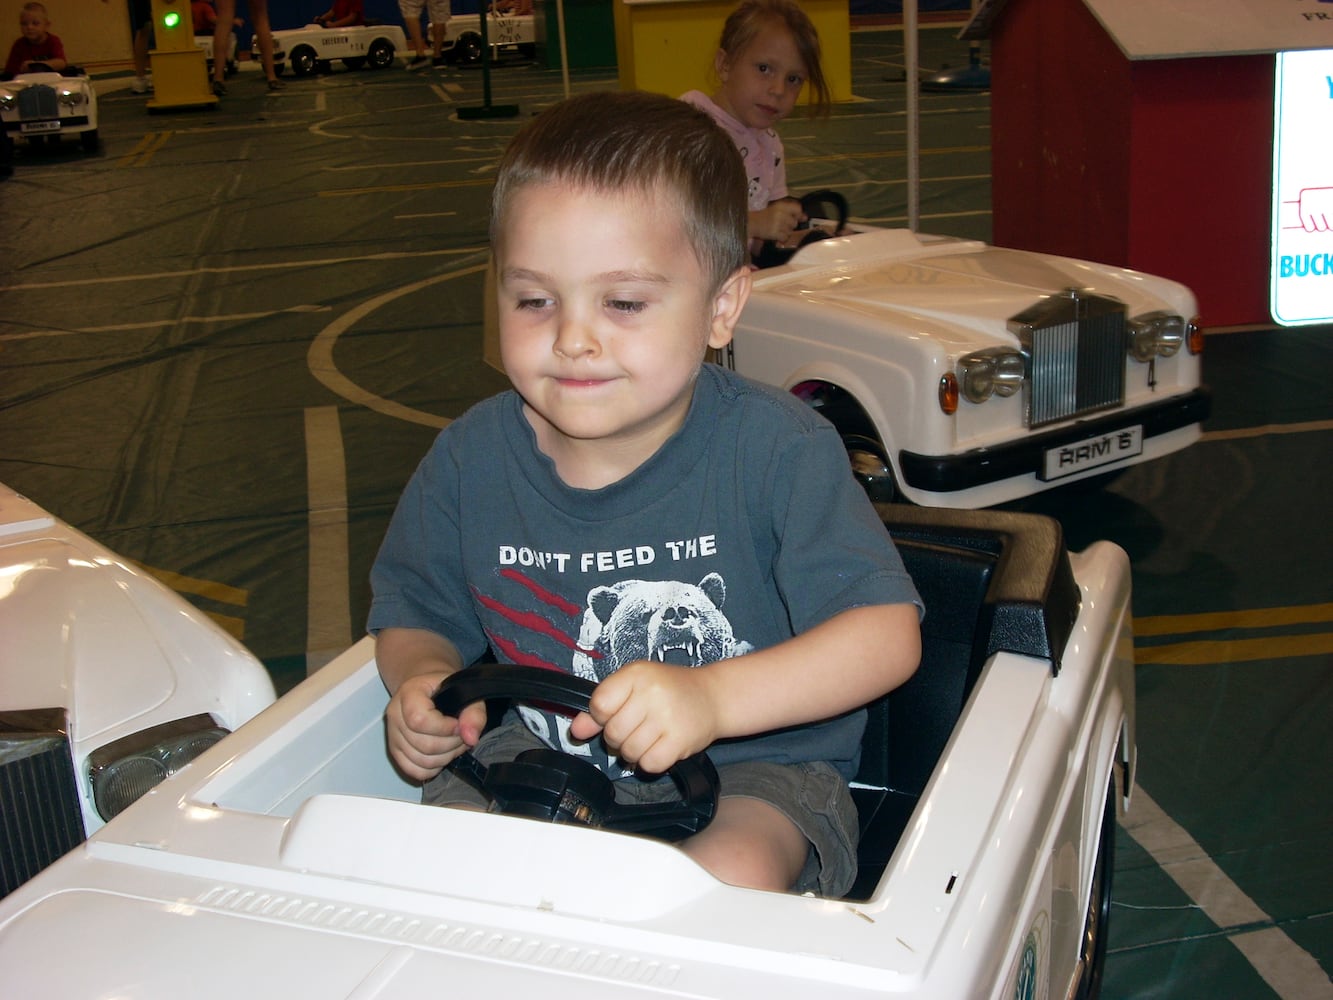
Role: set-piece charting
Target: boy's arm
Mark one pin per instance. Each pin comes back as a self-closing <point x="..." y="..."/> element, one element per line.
<point x="412" y="663"/>
<point x="655" y="714"/>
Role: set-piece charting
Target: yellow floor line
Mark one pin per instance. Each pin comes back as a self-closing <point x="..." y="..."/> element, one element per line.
<point x="1266" y="429"/>
<point x="220" y="592"/>
<point x="1213" y="651"/>
<point x="1248" y="618"/>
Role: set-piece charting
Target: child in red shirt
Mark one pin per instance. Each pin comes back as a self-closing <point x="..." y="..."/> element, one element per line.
<point x="36" y="44"/>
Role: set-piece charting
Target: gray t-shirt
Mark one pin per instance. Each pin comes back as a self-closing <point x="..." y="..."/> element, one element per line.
<point x="744" y="529"/>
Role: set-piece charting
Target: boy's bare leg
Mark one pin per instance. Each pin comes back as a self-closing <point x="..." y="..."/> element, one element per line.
<point x="750" y="843"/>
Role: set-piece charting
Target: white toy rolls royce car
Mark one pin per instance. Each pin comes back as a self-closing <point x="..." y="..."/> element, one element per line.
<point x="43" y="106"/>
<point x="295" y="853"/>
<point x="108" y="682"/>
<point x="966" y="375"/>
<point x="315" y="47"/>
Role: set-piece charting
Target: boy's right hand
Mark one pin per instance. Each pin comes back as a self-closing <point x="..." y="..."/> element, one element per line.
<point x="422" y="740"/>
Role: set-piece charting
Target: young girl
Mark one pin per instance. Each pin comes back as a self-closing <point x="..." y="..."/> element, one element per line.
<point x="769" y="50"/>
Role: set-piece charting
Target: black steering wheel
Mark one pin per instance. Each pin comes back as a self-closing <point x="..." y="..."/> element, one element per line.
<point x="555" y="786"/>
<point x="813" y="205"/>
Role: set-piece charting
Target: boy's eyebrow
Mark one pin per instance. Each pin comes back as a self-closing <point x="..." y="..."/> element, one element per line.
<point x="528" y="274"/>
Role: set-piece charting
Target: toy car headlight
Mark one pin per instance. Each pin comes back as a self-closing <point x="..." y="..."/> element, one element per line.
<point x="997" y="371"/>
<point x="7" y="100"/>
<point x="1156" y="335"/>
<point x="70" y="98"/>
<point x="122" y="771"/>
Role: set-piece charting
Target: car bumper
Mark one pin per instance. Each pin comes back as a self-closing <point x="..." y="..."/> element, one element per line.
<point x="982" y="466"/>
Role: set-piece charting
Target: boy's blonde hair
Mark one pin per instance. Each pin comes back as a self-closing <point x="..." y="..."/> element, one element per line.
<point x="613" y="141"/>
<point x="745" y="22"/>
<point x="40" y="8"/>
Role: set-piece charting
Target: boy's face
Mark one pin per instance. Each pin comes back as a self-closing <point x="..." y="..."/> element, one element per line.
<point x="33" y="24"/>
<point x="761" y="83"/>
<point x="605" y="315"/>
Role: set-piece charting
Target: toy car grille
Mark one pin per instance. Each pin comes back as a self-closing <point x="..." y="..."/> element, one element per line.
<point x="1075" y="343"/>
<point x="38" y="101"/>
<point x="40" y="817"/>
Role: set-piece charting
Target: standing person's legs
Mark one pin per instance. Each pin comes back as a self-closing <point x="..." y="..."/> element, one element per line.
<point x="264" y="35"/>
<point x="439" y="24"/>
<point x="226" y="14"/>
<point x="141" y="16"/>
<point x="411" y="11"/>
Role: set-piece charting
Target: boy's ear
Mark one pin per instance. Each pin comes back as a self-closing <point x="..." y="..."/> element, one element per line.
<point x="727" y="305"/>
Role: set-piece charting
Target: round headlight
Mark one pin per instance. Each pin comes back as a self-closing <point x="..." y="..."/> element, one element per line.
<point x="1156" y="335"/>
<point x="69" y="98"/>
<point x="7" y="100"/>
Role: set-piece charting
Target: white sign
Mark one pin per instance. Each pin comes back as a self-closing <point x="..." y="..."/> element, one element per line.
<point x="1302" y="267"/>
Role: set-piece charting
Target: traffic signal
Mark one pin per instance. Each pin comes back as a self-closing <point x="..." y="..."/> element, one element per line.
<point x="173" y="26"/>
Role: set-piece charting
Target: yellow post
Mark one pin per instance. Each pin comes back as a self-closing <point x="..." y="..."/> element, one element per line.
<point x="180" y="69"/>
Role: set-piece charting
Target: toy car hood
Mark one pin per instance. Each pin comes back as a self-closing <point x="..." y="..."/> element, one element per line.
<point x="86" y="632"/>
<point x="948" y="288"/>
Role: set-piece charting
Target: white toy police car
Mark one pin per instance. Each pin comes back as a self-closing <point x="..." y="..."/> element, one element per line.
<point x="966" y="375"/>
<point x="108" y="682"/>
<point x="294" y="853"/>
<point x="43" y="105"/>
<point x="505" y="33"/>
<point x="315" y="47"/>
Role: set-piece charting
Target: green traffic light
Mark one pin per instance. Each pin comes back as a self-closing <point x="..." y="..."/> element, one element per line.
<point x="171" y="19"/>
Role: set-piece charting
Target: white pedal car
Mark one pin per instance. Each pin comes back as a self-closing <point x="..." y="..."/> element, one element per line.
<point x="316" y="47"/>
<point x="505" y="33"/>
<point x="966" y="375"/>
<point x="108" y="682"/>
<point x="43" y="106"/>
<point x="295" y="857"/>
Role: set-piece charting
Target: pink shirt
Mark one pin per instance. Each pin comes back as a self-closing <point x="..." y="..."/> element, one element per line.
<point x="761" y="149"/>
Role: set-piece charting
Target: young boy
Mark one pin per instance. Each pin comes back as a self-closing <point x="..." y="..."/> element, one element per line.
<point x="690" y="540"/>
<point x="36" y="44"/>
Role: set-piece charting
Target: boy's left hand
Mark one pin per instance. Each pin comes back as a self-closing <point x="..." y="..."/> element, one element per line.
<point x="651" y="714"/>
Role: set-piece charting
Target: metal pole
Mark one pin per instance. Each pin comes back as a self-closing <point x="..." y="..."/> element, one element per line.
<point x="912" y="58"/>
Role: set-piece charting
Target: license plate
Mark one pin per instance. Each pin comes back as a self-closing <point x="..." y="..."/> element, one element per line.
<point x="28" y="128"/>
<point x="1091" y="453"/>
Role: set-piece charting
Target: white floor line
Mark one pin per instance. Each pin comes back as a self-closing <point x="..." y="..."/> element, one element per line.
<point x="329" y="612"/>
<point x="1291" y="971"/>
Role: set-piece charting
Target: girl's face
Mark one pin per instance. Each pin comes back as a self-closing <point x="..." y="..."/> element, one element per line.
<point x="760" y="83"/>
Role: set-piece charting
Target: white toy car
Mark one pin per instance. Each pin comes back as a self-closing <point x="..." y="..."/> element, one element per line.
<point x="295" y="853"/>
<point x="315" y="47"/>
<point x="45" y="105"/>
<point x="108" y="682"/>
<point x="966" y="375"/>
<point x="504" y="32"/>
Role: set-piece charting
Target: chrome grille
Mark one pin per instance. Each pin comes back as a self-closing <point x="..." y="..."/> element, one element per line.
<point x="38" y="102"/>
<point x="40" y="817"/>
<point x="1075" y="344"/>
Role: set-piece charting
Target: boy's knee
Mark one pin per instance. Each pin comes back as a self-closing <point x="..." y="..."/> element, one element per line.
<point x="752" y="844"/>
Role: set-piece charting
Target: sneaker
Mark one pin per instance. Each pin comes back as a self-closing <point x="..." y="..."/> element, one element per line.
<point x="219" y="88"/>
<point x="276" y="85"/>
<point x="439" y="61"/>
<point x="140" y="85"/>
<point x="416" y="62"/>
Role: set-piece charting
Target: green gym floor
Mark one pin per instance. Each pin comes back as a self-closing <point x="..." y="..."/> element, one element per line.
<point x="226" y="340"/>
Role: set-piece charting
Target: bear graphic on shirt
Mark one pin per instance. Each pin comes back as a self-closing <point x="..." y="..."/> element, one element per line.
<point x="668" y="621"/>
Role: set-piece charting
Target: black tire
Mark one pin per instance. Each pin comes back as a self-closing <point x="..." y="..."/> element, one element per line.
<point x="302" y="60"/>
<point x="866" y="453"/>
<point x="380" y="54"/>
<point x="89" y="140"/>
<point x="1092" y="946"/>
<point x="467" y="50"/>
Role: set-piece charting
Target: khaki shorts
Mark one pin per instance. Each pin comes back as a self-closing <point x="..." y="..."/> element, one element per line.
<point x="411" y="10"/>
<point x="812" y="795"/>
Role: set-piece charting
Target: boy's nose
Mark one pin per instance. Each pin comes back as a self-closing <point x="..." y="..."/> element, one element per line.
<point x="574" y="338"/>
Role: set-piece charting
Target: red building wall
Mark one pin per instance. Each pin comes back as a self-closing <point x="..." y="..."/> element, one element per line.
<point x="1160" y="165"/>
